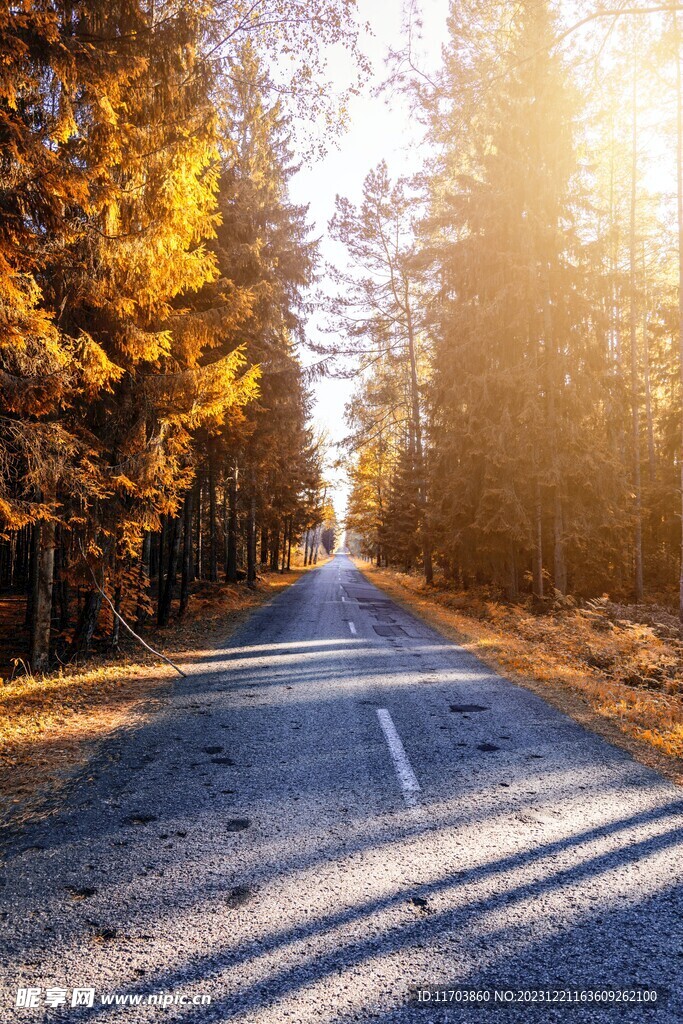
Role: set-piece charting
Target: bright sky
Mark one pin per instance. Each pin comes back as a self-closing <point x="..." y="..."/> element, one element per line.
<point x="376" y="131"/>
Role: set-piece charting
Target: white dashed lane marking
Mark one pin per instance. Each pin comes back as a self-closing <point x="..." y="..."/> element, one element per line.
<point x="404" y="772"/>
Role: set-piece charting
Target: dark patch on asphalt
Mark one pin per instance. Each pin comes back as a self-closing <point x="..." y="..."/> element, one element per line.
<point x="212" y="750"/>
<point x="237" y="824"/>
<point x="105" y="934"/>
<point x="240" y="895"/>
<point x="222" y="760"/>
<point x="468" y="708"/>
<point x="389" y="631"/>
<point x="420" y="903"/>
<point x="488" y="748"/>
<point x="82" y="893"/>
<point x="140" y="819"/>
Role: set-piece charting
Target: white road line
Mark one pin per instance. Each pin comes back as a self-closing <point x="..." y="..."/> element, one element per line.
<point x="352" y="627"/>
<point x="404" y="771"/>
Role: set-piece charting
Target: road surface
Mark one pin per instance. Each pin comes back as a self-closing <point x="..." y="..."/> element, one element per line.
<point x="337" y="806"/>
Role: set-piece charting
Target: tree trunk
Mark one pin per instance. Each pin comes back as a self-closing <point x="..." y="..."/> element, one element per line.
<point x="289" y="546"/>
<point x="651" y="460"/>
<point x="166" y="596"/>
<point x="635" y="384"/>
<point x="285" y="535"/>
<point x="417" y="427"/>
<point x="32" y="572"/>
<point x="275" y="553"/>
<point x="537" y="573"/>
<point x="679" y="184"/>
<point x="161" y="562"/>
<point x="512" y="584"/>
<point x="143" y="580"/>
<point x="41" y="617"/>
<point x="87" y="623"/>
<point x="186" y="573"/>
<point x="264" y="545"/>
<point x="560" y="568"/>
<point x="213" y="540"/>
<point x="62" y="581"/>
<point x="115" y="629"/>
<point x="199" y="565"/>
<point x="231" y="562"/>
<point x="251" y="542"/>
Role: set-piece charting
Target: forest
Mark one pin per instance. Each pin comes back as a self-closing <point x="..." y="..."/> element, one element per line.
<point x="511" y="314"/>
<point x="154" y="411"/>
<point x="516" y="310"/>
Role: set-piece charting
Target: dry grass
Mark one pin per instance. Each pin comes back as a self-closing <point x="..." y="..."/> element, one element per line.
<point x="617" y="670"/>
<point x="51" y="726"/>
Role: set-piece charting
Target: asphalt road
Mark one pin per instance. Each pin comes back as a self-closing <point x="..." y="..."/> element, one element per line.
<point x="313" y="823"/>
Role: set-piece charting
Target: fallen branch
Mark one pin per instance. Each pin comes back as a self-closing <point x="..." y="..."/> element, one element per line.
<point x="125" y="625"/>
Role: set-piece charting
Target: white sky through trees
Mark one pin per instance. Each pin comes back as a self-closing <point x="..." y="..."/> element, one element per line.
<point x="379" y="127"/>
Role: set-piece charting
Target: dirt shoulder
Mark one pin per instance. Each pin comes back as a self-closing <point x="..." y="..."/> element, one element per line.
<point x="52" y="726"/>
<point x="617" y="671"/>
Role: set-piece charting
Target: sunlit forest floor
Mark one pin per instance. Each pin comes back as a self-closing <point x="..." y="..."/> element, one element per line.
<point x="615" y="668"/>
<point x="52" y="726"/>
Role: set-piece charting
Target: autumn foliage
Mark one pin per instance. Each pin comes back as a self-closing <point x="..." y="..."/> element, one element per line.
<point x="516" y="311"/>
<point x="153" y="410"/>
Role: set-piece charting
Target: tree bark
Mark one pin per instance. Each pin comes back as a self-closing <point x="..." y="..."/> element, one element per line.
<point x="87" y="623"/>
<point x="537" y="573"/>
<point x="251" y="542"/>
<point x="417" y="427"/>
<point x="161" y="562"/>
<point x="62" y="583"/>
<point x="41" y="617"/>
<point x="213" y="540"/>
<point x="285" y="536"/>
<point x="231" y="561"/>
<point x="289" y="546"/>
<point x="143" y="579"/>
<point x="275" y="553"/>
<point x="635" y="384"/>
<point x="32" y="572"/>
<point x="115" y="629"/>
<point x="651" y="459"/>
<point x="186" y="573"/>
<point x="560" y="567"/>
<point x="166" y="596"/>
<point x="679" y="184"/>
